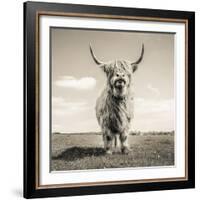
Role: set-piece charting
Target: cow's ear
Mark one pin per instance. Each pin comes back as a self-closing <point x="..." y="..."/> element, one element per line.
<point x="134" y="67"/>
<point x="104" y="67"/>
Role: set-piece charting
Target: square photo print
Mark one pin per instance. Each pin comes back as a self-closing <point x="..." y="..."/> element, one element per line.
<point x="112" y="99"/>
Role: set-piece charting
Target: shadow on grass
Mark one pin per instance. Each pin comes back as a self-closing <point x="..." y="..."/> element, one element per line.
<point x="75" y="153"/>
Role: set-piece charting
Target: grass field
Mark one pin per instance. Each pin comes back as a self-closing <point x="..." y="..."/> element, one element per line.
<point x="85" y="151"/>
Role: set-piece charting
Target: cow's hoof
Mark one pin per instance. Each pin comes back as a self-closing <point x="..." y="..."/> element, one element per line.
<point x="125" y="150"/>
<point x="108" y="152"/>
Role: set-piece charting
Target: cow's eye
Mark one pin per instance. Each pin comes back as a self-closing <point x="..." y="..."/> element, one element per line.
<point x="117" y="75"/>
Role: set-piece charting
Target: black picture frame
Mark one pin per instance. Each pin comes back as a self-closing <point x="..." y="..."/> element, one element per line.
<point x="32" y="12"/>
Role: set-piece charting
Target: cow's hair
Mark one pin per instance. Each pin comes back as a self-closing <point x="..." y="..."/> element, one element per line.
<point x="114" y="107"/>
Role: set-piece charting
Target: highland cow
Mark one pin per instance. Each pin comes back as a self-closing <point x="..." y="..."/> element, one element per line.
<point x="114" y="107"/>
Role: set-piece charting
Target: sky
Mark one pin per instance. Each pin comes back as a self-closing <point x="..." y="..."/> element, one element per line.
<point x="77" y="81"/>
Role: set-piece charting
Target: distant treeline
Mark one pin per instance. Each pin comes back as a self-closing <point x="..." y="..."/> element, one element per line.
<point x="81" y="133"/>
<point x="152" y="133"/>
<point x="131" y="133"/>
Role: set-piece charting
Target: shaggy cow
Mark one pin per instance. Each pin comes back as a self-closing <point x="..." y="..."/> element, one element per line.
<point x="114" y="107"/>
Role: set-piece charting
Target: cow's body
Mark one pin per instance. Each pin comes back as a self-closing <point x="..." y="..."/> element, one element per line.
<point x="114" y="107"/>
<point x="114" y="114"/>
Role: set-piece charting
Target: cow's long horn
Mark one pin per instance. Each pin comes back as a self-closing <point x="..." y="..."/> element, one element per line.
<point x="141" y="56"/>
<point x="97" y="61"/>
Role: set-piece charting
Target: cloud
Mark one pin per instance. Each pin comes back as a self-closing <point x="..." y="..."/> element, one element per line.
<point x="72" y="116"/>
<point x="58" y="101"/>
<point x="143" y="106"/>
<point x="84" y="83"/>
<point x="62" y="107"/>
<point x="153" y="90"/>
<point x="154" y="114"/>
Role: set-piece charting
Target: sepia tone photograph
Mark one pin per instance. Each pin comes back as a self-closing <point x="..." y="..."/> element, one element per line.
<point x="112" y="99"/>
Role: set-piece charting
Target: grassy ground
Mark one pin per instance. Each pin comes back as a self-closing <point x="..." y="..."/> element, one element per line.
<point x="85" y="151"/>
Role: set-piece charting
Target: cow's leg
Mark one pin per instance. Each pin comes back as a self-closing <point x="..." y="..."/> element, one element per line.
<point x="108" y="142"/>
<point x="124" y="142"/>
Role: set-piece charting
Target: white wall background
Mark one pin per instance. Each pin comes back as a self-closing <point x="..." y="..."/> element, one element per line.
<point x="11" y="98"/>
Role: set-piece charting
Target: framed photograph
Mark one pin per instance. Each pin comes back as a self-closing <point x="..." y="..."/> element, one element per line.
<point x="109" y="101"/>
